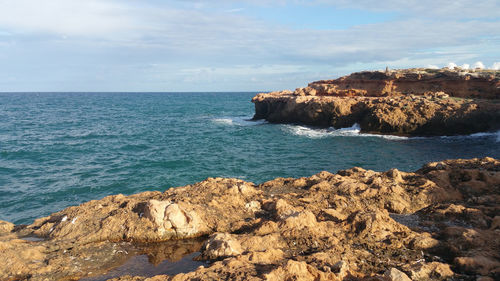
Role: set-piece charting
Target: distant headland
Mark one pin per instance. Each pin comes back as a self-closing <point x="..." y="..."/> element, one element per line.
<point x="414" y="102"/>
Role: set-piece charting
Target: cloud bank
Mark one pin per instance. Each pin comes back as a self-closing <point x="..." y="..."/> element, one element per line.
<point x="229" y="45"/>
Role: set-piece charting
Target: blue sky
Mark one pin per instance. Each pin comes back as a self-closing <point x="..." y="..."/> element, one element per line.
<point x="222" y="45"/>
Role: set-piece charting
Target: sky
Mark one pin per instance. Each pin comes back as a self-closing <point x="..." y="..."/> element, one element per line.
<point x="223" y="45"/>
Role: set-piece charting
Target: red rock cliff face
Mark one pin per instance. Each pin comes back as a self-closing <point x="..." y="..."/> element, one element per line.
<point x="485" y="84"/>
<point x="405" y="102"/>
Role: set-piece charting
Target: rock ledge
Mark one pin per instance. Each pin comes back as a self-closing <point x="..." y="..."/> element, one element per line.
<point x="415" y="102"/>
<point x="439" y="222"/>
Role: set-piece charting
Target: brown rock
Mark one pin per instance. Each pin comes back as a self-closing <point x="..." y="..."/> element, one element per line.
<point x="334" y="215"/>
<point x="221" y="245"/>
<point x="171" y="220"/>
<point x="294" y="270"/>
<point x="253" y="206"/>
<point x="6" y="227"/>
<point x="396" y="104"/>
<point x="266" y="257"/>
<point x="324" y="227"/>
<point x="424" y="241"/>
<point x="495" y="223"/>
<point x="155" y="211"/>
<point x="395" y="275"/>
<point x="477" y="264"/>
<point x="430" y="271"/>
<point x="414" y="82"/>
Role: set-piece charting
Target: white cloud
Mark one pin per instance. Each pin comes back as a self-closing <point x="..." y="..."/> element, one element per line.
<point x="451" y="65"/>
<point x="205" y="32"/>
<point x="465" y="66"/>
<point x="479" y="65"/>
<point x="432" y="66"/>
<point x="496" y="66"/>
<point x="419" y="8"/>
<point x="72" y="17"/>
<point x="222" y="43"/>
<point x="245" y="69"/>
<point x="438" y="8"/>
<point x="235" y="10"/>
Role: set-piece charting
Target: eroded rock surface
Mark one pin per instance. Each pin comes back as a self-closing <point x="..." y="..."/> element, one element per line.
<point x="461" y="83"/>
<point x="437" y="223"/>
<point x="404" y="102"/>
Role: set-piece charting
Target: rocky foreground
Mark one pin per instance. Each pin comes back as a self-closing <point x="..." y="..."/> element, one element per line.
<point x="412" y="102"/>
<point x="441" y="222"/>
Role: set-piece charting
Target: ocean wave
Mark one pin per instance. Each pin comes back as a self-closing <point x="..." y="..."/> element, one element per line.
<point x="238" y="121"/>
<point x="354" y="131"/>
<point x="476" y="135"/>
<point x="225" y="121"/>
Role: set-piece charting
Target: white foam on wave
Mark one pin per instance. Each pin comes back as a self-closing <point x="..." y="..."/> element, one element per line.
<point x="355" y="131"/>
<point x="476" y="135"/>
<point x="238" y="121"/>
<point x="306" y="132"/>
<point x="389" y="137"/>
<point x="225" y="121"/>
<point x="316" y="133"/>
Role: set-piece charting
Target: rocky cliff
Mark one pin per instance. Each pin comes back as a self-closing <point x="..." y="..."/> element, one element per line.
<point x="403" y="102"/>
<point x="439" y="222"/>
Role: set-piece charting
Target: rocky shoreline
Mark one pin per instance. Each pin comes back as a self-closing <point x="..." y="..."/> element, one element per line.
<point x="441" y="222"/>
<point x="410" y="102"/>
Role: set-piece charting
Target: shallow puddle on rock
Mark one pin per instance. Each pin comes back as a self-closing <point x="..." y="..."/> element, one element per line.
<point x="170" y="258"/>
<point x="140" y="266"/>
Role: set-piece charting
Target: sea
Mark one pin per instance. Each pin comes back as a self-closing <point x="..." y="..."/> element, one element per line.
<point x="63" y="149"/>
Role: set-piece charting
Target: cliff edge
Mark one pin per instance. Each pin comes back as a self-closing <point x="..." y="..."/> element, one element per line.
<point x="413" y="102"/>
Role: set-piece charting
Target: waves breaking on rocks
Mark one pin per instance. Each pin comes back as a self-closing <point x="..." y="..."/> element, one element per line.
<point x="355" y="131"/>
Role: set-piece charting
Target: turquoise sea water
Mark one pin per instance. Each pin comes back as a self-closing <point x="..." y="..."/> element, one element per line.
<point x="62" y="149"/>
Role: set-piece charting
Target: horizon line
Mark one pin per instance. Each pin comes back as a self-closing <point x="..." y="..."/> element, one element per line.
<point x="118" y="92"/>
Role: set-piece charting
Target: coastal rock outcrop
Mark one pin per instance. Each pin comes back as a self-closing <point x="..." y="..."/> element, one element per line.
<point x="404" y="102"/>
<point x="460" y="83"/>
<point x="436" y="223"/>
